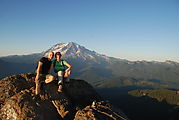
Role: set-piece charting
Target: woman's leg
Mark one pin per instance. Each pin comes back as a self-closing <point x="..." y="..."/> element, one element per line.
<point x="60" y="77"/>
<point x="66" y="76"/>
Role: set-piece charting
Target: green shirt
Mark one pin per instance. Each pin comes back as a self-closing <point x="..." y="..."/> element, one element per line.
<point x="59" y="65"/>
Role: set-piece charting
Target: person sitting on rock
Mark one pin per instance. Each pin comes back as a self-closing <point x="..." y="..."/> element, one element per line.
<point x="43" y="72"/>
<point x="59" y="66"/>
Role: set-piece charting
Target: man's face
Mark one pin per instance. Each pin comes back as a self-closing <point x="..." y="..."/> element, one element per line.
<point x="50" y="55"/>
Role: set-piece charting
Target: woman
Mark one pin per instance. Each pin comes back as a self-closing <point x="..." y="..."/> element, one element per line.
<point x="59" y="66"/>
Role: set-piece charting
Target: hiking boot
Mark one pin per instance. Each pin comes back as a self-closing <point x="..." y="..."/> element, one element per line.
<point x="60" y="88"/>
<point x="67" y="80"/>
<point x="36" y="98"/>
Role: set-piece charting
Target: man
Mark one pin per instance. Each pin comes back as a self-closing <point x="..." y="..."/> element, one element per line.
<point x="42" y="72"/>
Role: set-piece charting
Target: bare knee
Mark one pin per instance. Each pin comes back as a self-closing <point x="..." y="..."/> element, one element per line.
<point x="50" y="79"/>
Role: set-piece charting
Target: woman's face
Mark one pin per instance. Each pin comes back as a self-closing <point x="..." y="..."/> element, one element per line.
<point x="58" y="56"/>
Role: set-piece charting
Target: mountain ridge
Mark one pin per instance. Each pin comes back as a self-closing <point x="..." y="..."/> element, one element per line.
<point x="92" y="66"/>
<point x="76" y="46"/>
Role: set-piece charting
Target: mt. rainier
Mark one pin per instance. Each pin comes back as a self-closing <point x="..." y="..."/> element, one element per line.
<point x="75" y="51"/>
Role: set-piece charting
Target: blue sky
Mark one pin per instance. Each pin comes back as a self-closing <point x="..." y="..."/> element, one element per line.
<point x="127" y="29"/>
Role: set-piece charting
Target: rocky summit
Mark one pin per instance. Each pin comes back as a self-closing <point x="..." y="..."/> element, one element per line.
<point x="78" y="101"/>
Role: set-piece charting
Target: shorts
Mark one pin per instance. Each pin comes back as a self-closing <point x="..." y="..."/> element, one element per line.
<point x="43" y="77"/>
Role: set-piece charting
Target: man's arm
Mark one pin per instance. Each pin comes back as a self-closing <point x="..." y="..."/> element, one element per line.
<point x="38" y="70"/>
<point x="51" y="69"/>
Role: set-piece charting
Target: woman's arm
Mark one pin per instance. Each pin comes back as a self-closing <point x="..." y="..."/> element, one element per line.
<point x="69" y="66"/>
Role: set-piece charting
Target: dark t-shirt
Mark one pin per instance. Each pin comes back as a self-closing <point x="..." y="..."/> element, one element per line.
<point x="45" y="66"/>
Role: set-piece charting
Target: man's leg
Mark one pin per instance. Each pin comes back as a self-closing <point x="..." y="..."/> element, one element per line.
<point x="38" y="84"/>
<point x="37" y="88"/>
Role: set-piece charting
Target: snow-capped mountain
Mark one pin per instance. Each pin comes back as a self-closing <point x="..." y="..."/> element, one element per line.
<point x="75" y="51"/>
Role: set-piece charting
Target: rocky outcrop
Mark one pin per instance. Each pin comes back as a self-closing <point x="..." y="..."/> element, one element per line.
<point x="99" y="111"/>
<point x="78" y="101"/>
